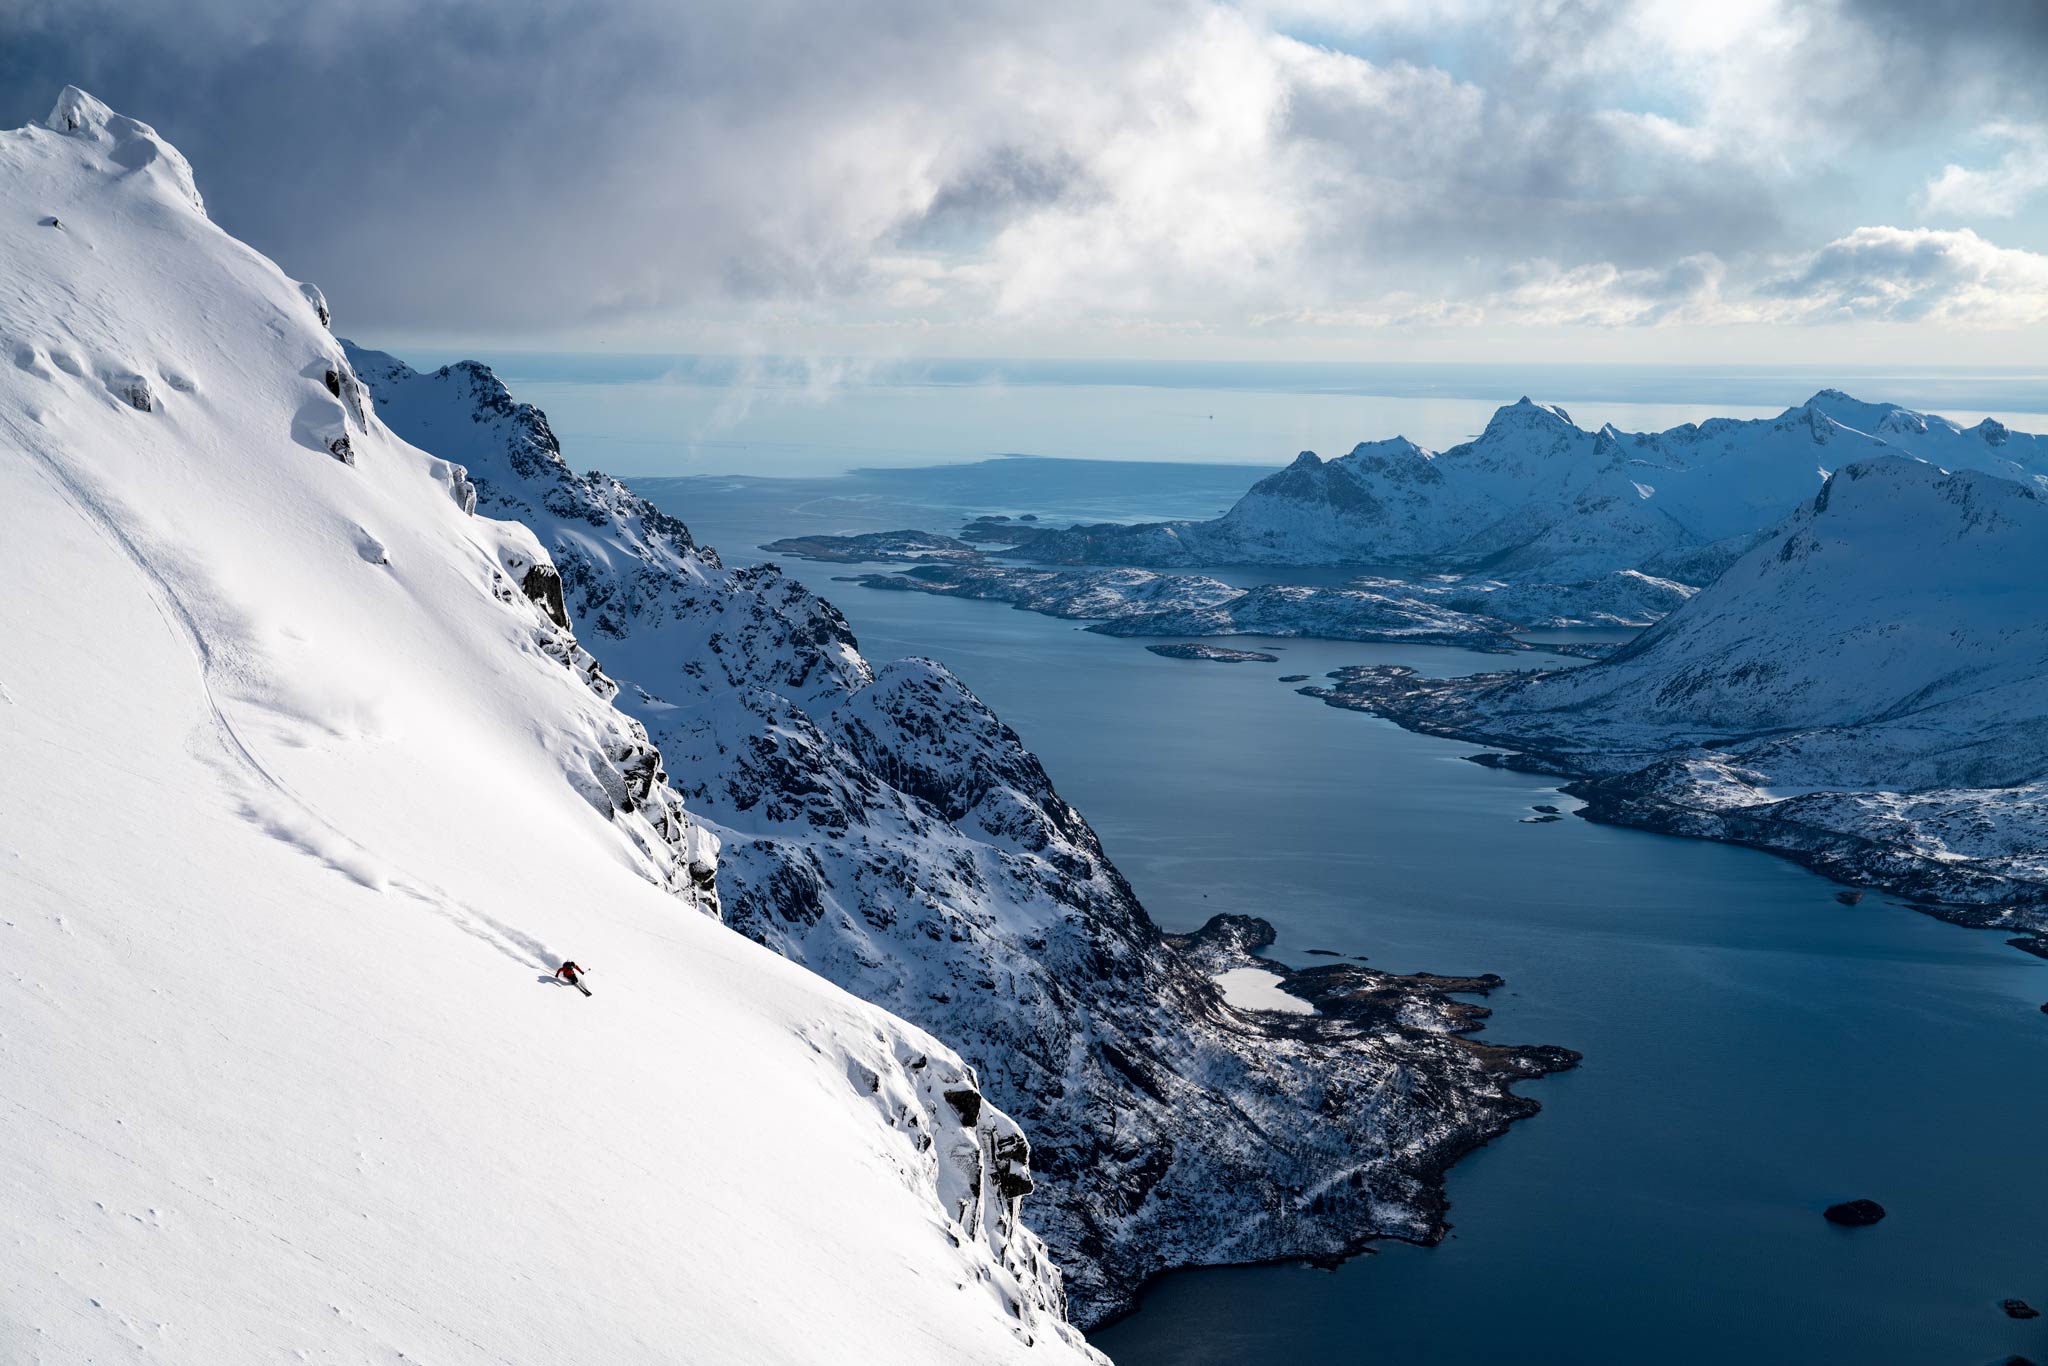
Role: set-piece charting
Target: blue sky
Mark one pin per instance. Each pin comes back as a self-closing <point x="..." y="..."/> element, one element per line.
<point x="1850" y="181"/>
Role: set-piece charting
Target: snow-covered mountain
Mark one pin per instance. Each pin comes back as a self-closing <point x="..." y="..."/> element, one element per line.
<point x="1536" y="498"/>
<point x="306" y="785"/>
<point x="884" y="828"/>
<point x="1867" y="689"/>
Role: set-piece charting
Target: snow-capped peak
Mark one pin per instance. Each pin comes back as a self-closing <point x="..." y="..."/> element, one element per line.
<point x="130" y="145"/>
<point x="1534" y="496"/>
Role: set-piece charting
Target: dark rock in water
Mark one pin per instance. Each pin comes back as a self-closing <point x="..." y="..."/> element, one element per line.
<point x="1541" y="820"/>
<point x="1855" y="1213"/>
<point x="1215" y="652"/>
<point x="1848" y="898"/>
<point x="2020" y="1309"/>
<point x="2036" y="944"/>
<point x="2018" y="1361"/>
<point x="1294" y="678"/>
<point x="1028" y="517"/>
<point x="1545" y="809"/>
<point x="1323" y="953"/>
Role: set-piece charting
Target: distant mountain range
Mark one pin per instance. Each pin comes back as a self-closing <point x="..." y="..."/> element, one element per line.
<point x="1536" y="498"/>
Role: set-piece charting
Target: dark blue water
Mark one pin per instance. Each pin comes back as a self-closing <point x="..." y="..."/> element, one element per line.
<point x="1754" y="1049"/>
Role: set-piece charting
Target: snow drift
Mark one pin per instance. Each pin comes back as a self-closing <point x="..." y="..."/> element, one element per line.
<point x="308" y="786"/>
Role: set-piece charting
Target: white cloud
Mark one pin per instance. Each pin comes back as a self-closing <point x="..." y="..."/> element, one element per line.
<point x="2022" y="173"/>
<point x="1871" y="275"/>
<point x="1915" y="275"/>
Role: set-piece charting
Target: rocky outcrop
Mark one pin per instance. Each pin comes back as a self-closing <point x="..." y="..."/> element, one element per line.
<point x="1855" y="1213"/>
<point x="886" y="829"/>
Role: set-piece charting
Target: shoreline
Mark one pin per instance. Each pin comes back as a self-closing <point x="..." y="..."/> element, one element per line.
<point x="1852" y="860"/>
<point x="1349" y="991"/>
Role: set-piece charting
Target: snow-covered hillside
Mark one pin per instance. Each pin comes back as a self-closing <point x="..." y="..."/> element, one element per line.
<point x="305" y="787"/>
<point x="1866" y="689"/>
<point x="1537" y="499"/>
<point x="881" y="826"/>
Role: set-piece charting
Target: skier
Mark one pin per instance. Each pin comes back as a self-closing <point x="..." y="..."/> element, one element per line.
<point x="572" y="973"/>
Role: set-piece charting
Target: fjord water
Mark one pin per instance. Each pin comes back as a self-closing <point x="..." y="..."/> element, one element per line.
<point x="1754" y="1049"/>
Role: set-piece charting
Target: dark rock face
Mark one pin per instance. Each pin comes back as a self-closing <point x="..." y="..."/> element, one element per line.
<point x="1855" y="1213"/>
<point x="544" y="585"/>
<point x="1849" y="898"/>
<point x="2019" y="1309"/>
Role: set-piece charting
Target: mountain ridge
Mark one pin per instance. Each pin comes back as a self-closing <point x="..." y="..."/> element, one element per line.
<point x="881" y="826"/>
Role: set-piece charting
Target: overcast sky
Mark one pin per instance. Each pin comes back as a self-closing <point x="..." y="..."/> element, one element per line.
<point x="1748" y="180"/>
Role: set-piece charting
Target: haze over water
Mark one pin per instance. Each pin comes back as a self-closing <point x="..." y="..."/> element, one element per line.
<point x="661" y="415"/>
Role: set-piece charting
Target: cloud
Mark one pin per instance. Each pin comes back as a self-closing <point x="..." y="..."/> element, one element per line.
<point x="1870" y="275"/>
<point x="1997" y="193"/>
<point x="1915" y="275"/>
<point x="655" y="169"/>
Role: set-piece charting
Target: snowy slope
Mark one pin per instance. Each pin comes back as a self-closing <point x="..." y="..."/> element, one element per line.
<point x="306" y="788"/>
<point x="1536" y="498"/>
<point x="1900" y="612"/>
<point x="881" y="826"/>
<point x="1867" y="688"/>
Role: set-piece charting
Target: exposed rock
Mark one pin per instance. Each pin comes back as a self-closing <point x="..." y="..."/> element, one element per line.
<point x="1849" y="898"/>
<point x="1294" y="678"/>
<point x="1855" y="1213"/>
<point x="543" y="583"/>
<point x="2019" y="1309"/>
